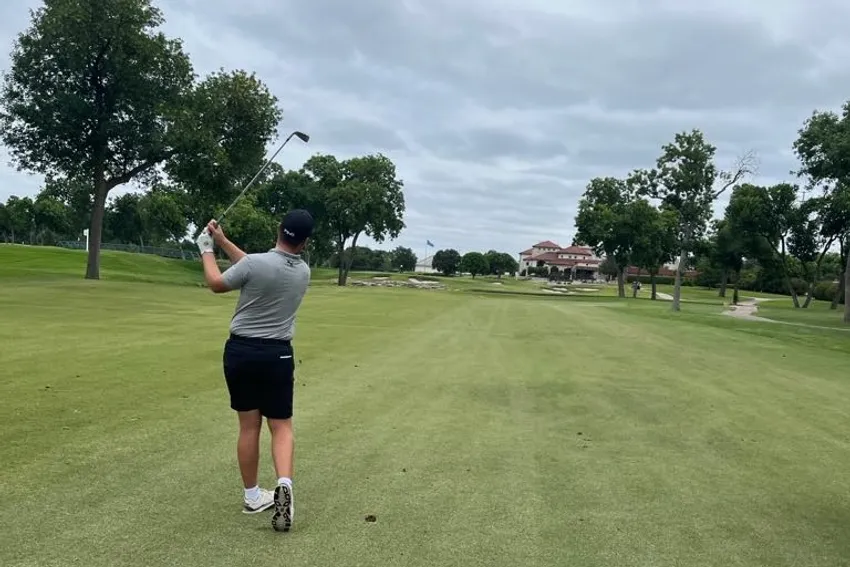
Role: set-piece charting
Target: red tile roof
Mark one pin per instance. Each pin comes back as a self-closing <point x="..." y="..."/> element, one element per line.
<point x="527" y="252"/>
<point x="546" y="244"/>
<point x="584" y="250"/>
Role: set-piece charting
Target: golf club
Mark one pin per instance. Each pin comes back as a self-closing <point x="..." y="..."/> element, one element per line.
<point x="300" y="135"/>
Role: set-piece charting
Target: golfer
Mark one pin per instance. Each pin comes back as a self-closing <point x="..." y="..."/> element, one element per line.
<point x="258" y="357"/>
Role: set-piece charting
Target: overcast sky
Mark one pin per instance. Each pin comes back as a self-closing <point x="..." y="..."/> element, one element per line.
<point x="498" y="112"/>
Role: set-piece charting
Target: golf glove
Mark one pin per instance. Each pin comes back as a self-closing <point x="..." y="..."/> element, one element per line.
<point x="205" y="242"/>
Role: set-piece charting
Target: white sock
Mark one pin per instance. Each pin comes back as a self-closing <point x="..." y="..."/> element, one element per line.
<point x="252" y="493"/>
<point x="285" y="480"/>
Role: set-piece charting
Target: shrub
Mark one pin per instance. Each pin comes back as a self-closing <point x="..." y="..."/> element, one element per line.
<point x="825" y="291"/>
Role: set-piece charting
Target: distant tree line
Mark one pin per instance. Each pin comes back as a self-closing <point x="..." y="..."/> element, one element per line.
<point x="348" y="199"/>
<point x="364" y="259"/>
<point x="449" y="262"/>
<point x="784" y="238"/>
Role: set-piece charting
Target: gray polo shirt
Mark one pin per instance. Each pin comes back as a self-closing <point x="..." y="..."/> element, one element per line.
<point x="271" y="286"/>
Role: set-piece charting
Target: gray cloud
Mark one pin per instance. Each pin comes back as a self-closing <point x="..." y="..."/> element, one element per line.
<point x="498" y="112"/>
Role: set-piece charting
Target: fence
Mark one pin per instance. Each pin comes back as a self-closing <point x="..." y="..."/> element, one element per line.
<point x="177" y="253"/>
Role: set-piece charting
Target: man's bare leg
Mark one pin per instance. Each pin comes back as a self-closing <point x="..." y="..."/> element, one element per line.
<point x="283" y="449"/>
<point x="283" y="446"/>
<point x="248" y="446"/>
<point x="248" y="455"/>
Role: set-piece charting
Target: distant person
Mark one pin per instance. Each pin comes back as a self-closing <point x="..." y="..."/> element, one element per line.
<point x="259" y="367"/>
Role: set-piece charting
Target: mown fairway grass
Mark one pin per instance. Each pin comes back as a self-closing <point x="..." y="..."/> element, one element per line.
<point x="479" y="429"/>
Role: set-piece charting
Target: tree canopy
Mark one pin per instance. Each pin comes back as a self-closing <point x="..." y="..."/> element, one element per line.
<point x="447" y="262"/>
<point x="358" y="196"/>
<point x="115" y="101"/>
<point x="475" y="264"/>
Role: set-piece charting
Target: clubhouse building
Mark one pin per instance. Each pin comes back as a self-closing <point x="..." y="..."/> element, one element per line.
<point x="580" y="261"/>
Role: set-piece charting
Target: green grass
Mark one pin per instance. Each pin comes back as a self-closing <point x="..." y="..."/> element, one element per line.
<point x="28" y="263"/>
<point x="818" y="313"/>
<point x="479" y="429"/>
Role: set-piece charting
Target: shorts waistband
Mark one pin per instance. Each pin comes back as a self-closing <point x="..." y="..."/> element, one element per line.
<point x="260" y="340"/>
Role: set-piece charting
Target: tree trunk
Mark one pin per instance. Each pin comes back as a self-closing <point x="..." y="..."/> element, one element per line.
<point x="737" y="287"/>
<point x="847" y="290"/>
<point x="347" y="262"/>
<point x="816" y="275"/>
<point x="340" y="252"/>
<point x="792" y="291"/>
<point x="787" y="278"/>
<point x="96" y="226"/>
<point x="677" y="288"/>
<point x="839" y="293"/>
<point x="723" y="279"/>
<point x="809" y="295"/>
<point x="654" y="286"/>
<point x="621" y="282"/>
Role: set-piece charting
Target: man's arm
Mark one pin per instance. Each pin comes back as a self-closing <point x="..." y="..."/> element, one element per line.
<point x="233" y="252"/>
<point x="212" y="273"/>
<point x="234" y="277"/>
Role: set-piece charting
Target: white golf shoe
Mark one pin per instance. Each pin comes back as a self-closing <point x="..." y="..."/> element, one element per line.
<point x="284" y="508"/>
<point x="263" y="502"/>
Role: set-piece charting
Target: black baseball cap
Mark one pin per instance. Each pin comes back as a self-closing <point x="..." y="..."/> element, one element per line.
<point x="296" y="226"/>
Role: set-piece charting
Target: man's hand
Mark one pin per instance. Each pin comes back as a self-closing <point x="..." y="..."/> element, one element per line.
<point x="215" y="231"/>
<point x="205" y="243"/>
<point x="233" y="252"/>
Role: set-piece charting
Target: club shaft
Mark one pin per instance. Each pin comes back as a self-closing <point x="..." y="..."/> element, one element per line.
<point x="254" y="179"/>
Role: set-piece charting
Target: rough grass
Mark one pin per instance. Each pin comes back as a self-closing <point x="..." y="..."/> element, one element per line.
<point x="818" y="313"/>
<point x="479" y="429"/>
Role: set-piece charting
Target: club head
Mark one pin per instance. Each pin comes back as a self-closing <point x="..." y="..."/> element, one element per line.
<point x="302" y="136"/>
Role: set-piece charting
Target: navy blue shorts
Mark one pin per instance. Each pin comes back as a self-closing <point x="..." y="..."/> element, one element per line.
<point x="260" y="375"/>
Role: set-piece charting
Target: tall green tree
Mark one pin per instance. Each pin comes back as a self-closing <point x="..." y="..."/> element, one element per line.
<point x="5" y="223"/>
<point x="508" y="264"/>
<point x="123" y="220"/>
<point x="823" y="148"/>
<point x="21" y="223"/>
<point x="251" y="228"/>
<point x="769" y="214"/>
<point x="602" y="223"/>
<point x="653" y="238"/>
<point x="96" y="92"/>
<point x="729" y="256"/>
<point x="403" y="259"/>
<point x="499" y="263"/>
<point x="687" y="181"/>
<point x="359" y="196"/>
<point x="52" y="219"/>
<point x="811" y="239"/>
<point x="447" y="262"/>
<point x="163" y="215"/>
<point x="76" y="196"/>
<point x="283" y="191"/>
<point x="474" y="263"/>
